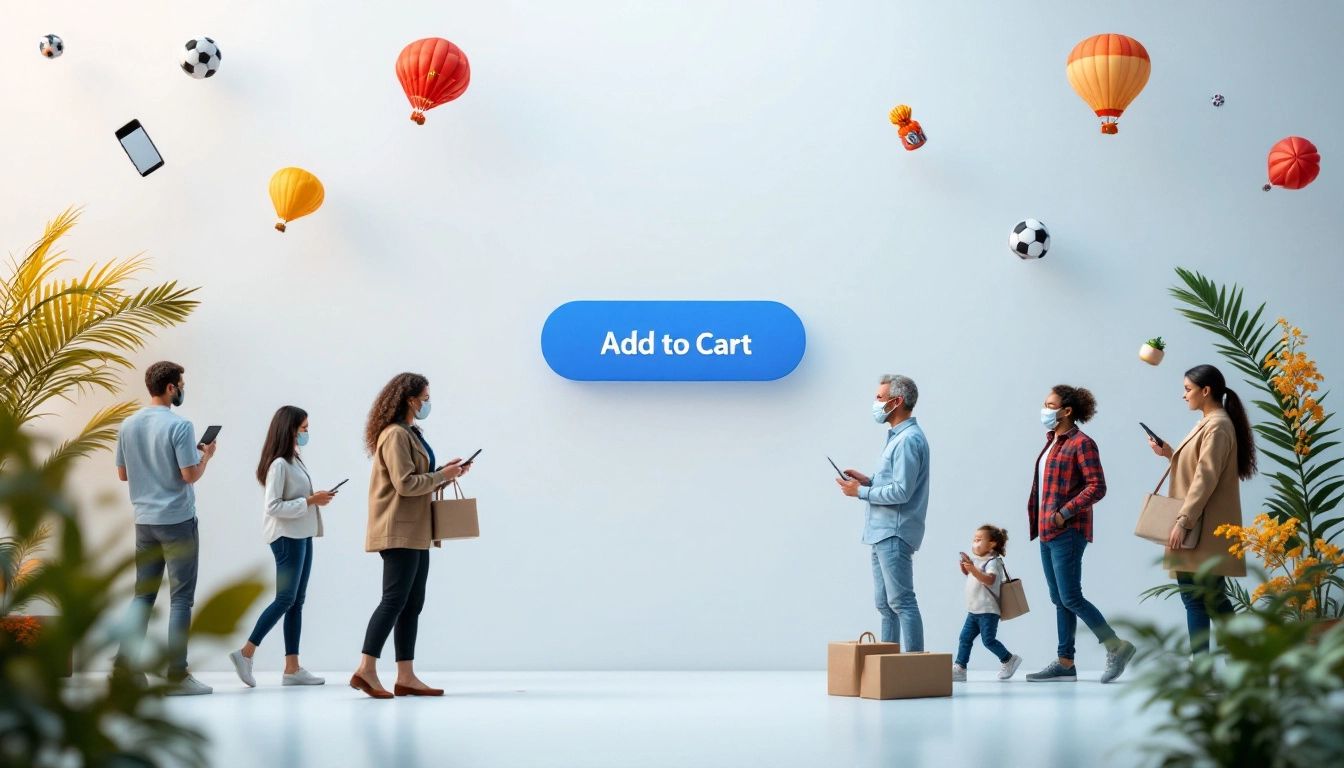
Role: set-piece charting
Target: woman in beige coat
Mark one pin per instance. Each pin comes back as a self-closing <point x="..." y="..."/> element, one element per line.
<point x="1206" y="473"/>
<point x="400" y="489"/>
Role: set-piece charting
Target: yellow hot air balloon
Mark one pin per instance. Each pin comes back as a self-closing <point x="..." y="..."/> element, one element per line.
<point x="1108" y="71"/>
<point x="295" y="193"/>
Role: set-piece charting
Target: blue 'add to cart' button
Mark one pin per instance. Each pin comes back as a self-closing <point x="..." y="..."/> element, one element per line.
<point x="673" y="340"/>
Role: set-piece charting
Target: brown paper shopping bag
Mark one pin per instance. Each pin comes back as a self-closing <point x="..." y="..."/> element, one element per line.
<point x="1158" y="517"/>
<point x="844" y="662"/>
<point x="454" y="518"/>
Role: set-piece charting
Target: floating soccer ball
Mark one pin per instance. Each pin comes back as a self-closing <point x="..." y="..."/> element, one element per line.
<point x="1029" y="239"/>
<point x="202" y="58"/>
<point x="1217" y="99"/>
<point x="51" y="46"/>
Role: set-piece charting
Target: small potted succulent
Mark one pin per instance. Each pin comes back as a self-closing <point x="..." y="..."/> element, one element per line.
<point x="1152" y="351"/>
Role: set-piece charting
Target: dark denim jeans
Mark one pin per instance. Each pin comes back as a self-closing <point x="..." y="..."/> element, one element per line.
<point x="986" y="625"/>
<point x="293" y="563"/>
<point x="176" y="549"/>
<point x="1062" y="558"/>
<point x="1197" y="608"/>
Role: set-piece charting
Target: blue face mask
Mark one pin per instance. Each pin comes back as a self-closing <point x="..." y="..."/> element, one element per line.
<point x="423" y="413"/>
<point x="880" y="412"/>
<point x="303" y="439"/>
<point x="1050" y="417"/>
<point x="179" y="396"/>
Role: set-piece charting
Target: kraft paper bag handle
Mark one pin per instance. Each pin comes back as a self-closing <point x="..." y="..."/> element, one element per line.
<point x="1163" y="480"/>
<point x="457" y="491"/>
<point x="871" y="637"/>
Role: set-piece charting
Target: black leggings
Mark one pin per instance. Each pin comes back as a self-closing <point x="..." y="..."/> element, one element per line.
<point x="404" y="574"/>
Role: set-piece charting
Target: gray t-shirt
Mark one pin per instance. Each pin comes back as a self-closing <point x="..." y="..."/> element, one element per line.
<point x="155" y="445"/>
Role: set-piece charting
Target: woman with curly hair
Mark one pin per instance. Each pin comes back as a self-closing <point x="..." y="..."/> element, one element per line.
<point x="399" y="530"/>
<point x="1067" y="483"/>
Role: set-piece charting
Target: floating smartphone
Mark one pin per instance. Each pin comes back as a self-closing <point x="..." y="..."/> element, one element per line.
<point x="338" y="485"/>
<point x="842" y="475"/>
<point x="144" y="155"/>
<point x="210" y="434"/>
<point x="1153" y="435"/>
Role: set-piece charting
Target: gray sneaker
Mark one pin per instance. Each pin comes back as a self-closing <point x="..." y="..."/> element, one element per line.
<point x="1054" y="673"/>
<point x="302" y="677"/>
<point x="1116" y="661"/>
<point x="189" y="686"/>
<point x="1010" y="666"/>
<point x="958" y="673"/>
<point x="243" y="666"/>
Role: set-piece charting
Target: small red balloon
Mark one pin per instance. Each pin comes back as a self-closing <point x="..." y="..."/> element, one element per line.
<point x="432" y="71"/>
<point x="1293" y="163"/>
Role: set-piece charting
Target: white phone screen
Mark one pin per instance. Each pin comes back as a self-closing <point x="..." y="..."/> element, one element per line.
<point x="141" y="150"/>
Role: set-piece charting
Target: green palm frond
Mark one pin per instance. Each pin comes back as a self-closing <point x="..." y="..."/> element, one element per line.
<point x="100" y="433"/>
<point x="64" y="337"/>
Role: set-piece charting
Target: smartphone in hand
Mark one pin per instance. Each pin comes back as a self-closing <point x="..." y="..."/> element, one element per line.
<point x="1152" y="434"/>
<point x="338" y="485"/>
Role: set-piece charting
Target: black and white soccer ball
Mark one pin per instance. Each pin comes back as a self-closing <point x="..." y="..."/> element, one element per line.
<point x="1029" y="240"/>
<point x="1217" y="99"/>
<point x="51" y="46"/>
<point x="201" y="58"/>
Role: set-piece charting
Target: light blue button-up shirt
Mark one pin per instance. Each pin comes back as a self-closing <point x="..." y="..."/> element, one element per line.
<point x="898" y="499"/>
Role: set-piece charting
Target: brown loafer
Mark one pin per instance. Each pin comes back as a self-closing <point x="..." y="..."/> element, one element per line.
<point x="406" y="690"/>
<point x="360" y="684"/>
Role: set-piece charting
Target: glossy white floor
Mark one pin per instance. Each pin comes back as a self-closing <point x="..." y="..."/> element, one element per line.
<point x="641" y="719"/>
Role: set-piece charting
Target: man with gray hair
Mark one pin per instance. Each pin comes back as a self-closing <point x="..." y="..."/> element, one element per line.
<point x="898" y="498"/>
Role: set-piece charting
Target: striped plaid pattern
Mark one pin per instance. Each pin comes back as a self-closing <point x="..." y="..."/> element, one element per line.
<point x="1074" y="482"/>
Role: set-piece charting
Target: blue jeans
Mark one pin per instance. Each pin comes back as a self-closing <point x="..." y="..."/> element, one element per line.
<point x="986" y="625"/>
<point x="1197" y="607"/>
<point x="293" y="563"/>
<point x="894" y="593"/>
<point x="1062" y="558"/>
<point x="158" y="548"/>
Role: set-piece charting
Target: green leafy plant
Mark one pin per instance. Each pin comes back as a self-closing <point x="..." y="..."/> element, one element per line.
<point x="1156" y="343"/>
<point x="60" y="338"/>
<point x="65" y="336"/>
<point x="1296" y="436"/>
<point x="1270" y="698"/>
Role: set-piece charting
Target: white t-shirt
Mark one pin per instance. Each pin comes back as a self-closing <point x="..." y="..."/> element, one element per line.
<point x="982" y="598"/>
<point x="1040" y="482"/>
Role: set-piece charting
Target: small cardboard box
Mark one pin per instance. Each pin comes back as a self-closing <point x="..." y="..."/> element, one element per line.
<point x="844" y="663"/>
<point x="906" y="676"/>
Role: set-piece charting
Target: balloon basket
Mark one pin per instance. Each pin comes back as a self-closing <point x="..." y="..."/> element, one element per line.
<point x="280" y="226"/>
<point x="418" y="118"/>
<point x="1110" y="129"/>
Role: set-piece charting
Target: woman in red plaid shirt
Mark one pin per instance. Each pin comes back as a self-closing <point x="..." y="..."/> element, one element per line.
<point x="1067" y="483"/>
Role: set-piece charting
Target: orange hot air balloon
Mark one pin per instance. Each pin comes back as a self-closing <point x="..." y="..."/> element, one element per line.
<point x="1293" y="163"/>
<point x="910" y="131"/>
<point x="1108" y="71"/>
<point x="432" y="71"/>
<point x="295" y="193"/>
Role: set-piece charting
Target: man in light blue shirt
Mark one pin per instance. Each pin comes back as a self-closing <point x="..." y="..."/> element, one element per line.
<point x="898" y="499"/>
<point x="158" y="456"/>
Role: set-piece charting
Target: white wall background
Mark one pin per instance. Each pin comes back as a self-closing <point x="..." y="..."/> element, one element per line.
<point x="679" y="150"/>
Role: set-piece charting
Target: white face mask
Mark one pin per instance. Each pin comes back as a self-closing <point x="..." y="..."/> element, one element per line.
<point x="880" y="412"/>
<point x="1050" y="417"/>
<point x="423" y="413"/>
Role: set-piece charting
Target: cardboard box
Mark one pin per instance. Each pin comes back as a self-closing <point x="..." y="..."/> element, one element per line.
<point x="906" y="676"/>
<point x="844" y="663"/>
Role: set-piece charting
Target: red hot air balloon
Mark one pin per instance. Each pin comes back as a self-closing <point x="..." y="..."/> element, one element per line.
<point x="432" y="71"/>
<point x="1293" y="163"/>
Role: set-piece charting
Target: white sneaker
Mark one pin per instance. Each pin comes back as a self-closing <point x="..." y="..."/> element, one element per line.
<point x="958" y="673"/>
<point x="189" y="686"/>
<point x="303" y="677"/>
<point x="1010" y="666"/>
<point x="243" y="666"/>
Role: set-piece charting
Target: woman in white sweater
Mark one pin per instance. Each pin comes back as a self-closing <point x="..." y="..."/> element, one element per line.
<point x="291" y="519"/>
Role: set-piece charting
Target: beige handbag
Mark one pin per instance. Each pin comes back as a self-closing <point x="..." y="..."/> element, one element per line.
<point x="454" y="518"/>
<point x="1012" y="596"/>
<point x="1159" y="517"/>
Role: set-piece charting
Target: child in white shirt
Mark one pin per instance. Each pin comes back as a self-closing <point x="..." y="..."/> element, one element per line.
<point x="984" y="578"/>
